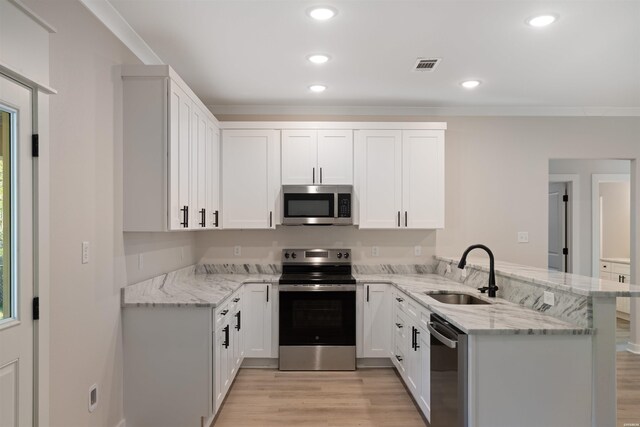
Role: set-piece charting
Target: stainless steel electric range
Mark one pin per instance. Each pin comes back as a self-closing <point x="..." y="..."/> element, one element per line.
<point x="317" y="310"/>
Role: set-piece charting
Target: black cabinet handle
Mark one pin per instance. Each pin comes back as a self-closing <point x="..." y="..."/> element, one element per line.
<point x="399" y="299"/>
<point x="216" y="214"/>
<point x="226" y="337"/>
<point x="238" y="321"/>
<point x="236" y="299"/>
<point x="267" y="293"/>
<point x="320" y="175"/>
<point x="367" y="293"/>
<point x="416" y="346"/>
<point x="399" y="358"/>
<point x="413" y="337"/>
<point x="313" y="176"/>
<point x="185" y="216"/>
<point x="398" y="218"/>
<point x="399" y="325"/>
<point x="270" y="219"/>
<point x="203" y="218"/>
<point x="224" y="312"/>
<point x="405" y="219"/>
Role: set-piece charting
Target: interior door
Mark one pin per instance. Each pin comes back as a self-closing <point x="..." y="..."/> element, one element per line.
<point x="16" y="256"/>
<point x="557" y="225"/>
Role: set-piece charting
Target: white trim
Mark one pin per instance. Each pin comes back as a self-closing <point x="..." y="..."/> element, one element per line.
<point x="14" y="74"/>
<point x="633" y="348"/>
<point x="342" y="110"/>
<point x="574" y="196"/>
<point x="111" y="18"/>
<point x="596" y="179"/>
<point x="34" y="16"/>
<point x="335" y="125"/>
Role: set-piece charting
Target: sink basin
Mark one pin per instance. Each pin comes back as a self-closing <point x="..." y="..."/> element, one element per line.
<point x="457" y="298"/>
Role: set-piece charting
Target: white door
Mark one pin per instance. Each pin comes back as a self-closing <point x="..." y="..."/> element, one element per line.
<point x="557" y="191"/>
<point x="377" y="320"/>
<point x="250" y="178"/>
<point x="258" y="299"/>
<point x="378" y="161"/>
<point x="335" y="157"/>
<point x="300" y="157"/>
<point x="213" y="175"/>
<point x="423" y="179"/>
<point x="16" y="260"/>
<point x="179" y="157"/>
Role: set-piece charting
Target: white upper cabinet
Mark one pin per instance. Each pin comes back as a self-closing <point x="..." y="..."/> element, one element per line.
<point x="317" y="157"/>
<point x="250" y="178"/>
<point x="170" y="162"/>
<point x="400" y="178"/>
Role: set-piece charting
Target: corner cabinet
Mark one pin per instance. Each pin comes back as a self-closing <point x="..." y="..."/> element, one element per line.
<point x="171" y="153"/>
<point x="400" y="178"/>
<point x="250" y="178"/>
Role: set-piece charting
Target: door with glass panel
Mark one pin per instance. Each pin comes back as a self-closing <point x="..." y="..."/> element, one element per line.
<point x="16" y="256"/>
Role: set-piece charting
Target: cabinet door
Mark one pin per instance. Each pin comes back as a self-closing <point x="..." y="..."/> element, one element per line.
<point x="377" y="320"/>
<point x="202" y="169"/>
<point x="423" y="179"/>
<point x="250" y="178"/>
<point x="180" y="110"/>
<point x="258" y="299"/>
<point x="424" y="395"/>
<point x="378" y="164"/>
<point x="335" y="157"/>
<point x="414" y="373"/>
<point x="300" y="157"/>
<point x="221" y="355"/>
<point x="606" y="275"/>
<point x="212" y="175"/>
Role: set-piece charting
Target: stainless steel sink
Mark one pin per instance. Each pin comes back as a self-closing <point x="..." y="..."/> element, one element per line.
<point x="457" y="298"/>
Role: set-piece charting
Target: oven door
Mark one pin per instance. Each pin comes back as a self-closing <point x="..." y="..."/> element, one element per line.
<point x="309" y="208"/>
<point x="318" y="315"/>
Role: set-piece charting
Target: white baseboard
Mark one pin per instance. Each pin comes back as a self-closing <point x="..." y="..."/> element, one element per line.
<point x="633" y="347"/>
<point x="122" y="423"/>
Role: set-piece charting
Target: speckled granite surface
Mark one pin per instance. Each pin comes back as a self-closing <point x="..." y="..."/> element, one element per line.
<point x="500" y="318"/>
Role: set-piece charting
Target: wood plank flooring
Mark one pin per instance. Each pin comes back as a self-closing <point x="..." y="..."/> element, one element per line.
<point x="623" y="331"/>
<point x="366" y="397"/>
<point x="628" y="373"/>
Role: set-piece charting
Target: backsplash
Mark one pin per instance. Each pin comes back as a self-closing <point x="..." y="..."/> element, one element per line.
<point x="568" y="307"/>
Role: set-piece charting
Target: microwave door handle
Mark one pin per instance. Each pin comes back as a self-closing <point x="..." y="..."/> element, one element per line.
<point x="335" y="205"/>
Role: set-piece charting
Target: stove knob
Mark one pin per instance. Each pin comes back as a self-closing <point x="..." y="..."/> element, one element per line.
<point x="294" y="256"/>
<point x="286" y="255"/>
<point x="339" y="255"/>
<point x="346" y="255"/>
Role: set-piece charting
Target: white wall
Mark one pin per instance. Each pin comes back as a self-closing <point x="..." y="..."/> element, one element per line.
<point x="584" y="169"/>
<point x="616" y="219"/>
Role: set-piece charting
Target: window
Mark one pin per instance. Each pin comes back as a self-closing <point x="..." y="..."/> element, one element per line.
<point x="7" y="291"/>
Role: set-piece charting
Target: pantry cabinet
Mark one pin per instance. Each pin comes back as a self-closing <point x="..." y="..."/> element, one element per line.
<point x="250" y="178"/>
<point x="317" y="157"/>
<point x="169" y="177"/>
<point x="400" y="178"/>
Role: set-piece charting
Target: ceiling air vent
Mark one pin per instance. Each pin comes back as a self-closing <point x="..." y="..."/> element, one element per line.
<point x="426" y="64"/>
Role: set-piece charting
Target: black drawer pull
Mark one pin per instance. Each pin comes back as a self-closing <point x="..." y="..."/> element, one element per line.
<point x="399" y="325"/>
<point x="185" y="216"/>
<point x="399" y="358"/>
<point x="224" y="312"/>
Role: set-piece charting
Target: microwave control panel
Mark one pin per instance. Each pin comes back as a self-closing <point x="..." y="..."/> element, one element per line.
<point x="344" y="205"/>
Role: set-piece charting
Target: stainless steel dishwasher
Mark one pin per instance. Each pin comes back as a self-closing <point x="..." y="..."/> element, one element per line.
<point x="449" y="384"/>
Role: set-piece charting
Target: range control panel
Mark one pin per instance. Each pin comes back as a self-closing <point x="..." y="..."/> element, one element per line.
<point x="316" y="256"/>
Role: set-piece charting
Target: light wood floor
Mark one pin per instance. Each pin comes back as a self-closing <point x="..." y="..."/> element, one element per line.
<point x="623" y="331"/>
<point x="628" y="366"/>
<point x="366" y="397"/>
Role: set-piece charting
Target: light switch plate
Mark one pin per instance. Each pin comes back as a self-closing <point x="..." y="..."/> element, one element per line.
<point x="375" y="251"/>
<point x="523" y="237"/>
<point x="85" y="252"/>
<point x="549" y="298"/>
<point x="237" y="250"/>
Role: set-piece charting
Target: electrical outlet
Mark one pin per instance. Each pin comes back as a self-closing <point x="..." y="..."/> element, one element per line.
<point x="448" y="268"/>
<point x="85" y="252"/>
<point x="375" y="251"/>
<point x="93" y="397"/>
<point x="237" y="251"/>
<point x="549" y="298"/>
<point x="140" y="261"/>
<point x="523" y="237"/>
<point x="417" y="250"/>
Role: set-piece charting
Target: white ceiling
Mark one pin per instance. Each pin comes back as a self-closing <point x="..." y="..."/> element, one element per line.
<point x="245" y="53"/>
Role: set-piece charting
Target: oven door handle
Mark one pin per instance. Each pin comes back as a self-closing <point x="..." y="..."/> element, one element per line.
<point x="317" y="288"/>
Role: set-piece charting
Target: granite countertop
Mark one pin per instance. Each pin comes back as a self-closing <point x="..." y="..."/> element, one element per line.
<point x="555" y="280"/>
<point x="500" y="318"/>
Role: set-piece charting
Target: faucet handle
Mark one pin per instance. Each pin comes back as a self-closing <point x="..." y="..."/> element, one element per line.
<point x="483" y="289"/>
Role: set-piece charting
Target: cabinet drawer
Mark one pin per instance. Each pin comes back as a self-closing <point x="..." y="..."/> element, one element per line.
<point x="399" y="300"/>
<point x="425" y="317"/>
<point x="220" y="315"/>
<point x="621" y="268"/>
<point x="413" y="310"/>
<point x="399" y="360"/>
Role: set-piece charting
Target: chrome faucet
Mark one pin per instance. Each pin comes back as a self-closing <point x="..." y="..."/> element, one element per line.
<point x="492" y="288"/>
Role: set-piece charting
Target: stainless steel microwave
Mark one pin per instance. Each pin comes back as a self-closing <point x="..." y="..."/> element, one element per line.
<point x="316" y="205"/>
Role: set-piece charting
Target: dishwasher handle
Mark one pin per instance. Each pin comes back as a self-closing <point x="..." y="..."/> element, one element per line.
<point x="432" y="326"/>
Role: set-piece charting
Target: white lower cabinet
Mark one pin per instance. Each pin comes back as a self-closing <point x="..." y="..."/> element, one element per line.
<point x="377" y="319"/>
<point x="258" y="303"/>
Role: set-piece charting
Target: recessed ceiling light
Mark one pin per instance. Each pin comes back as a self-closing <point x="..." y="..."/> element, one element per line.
<point x="322" y="13"/>
<point x="541" y="21"/>
<point x="318" y="58"/>
<point x="317" y="88"/>
<point x="470" y="84"/>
